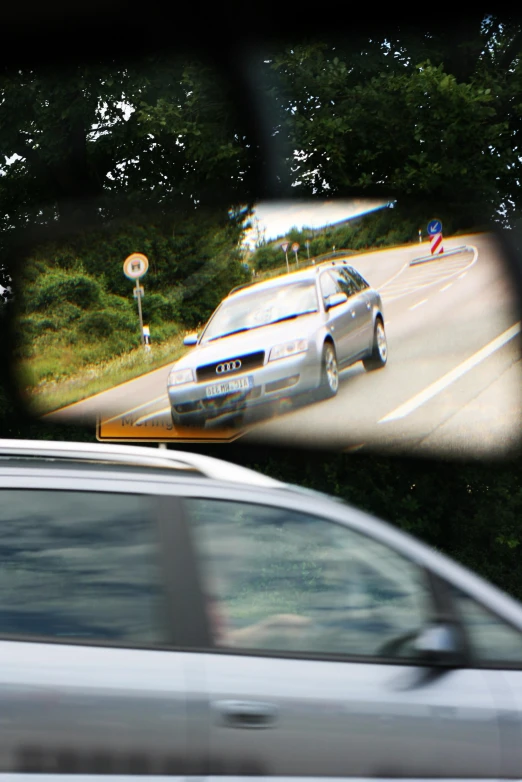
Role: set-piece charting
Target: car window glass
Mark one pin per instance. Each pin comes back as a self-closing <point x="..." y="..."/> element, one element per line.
<point x="359" y="279"/>
<point x="491" y="638"/>
<point x="329" y="285"/>
<point x="279" y="580"/>
<point x="79" y="565"/>
<point x="346" y="283"/>
<point x="260" y="307"/>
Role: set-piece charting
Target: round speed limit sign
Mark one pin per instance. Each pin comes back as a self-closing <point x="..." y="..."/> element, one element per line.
<point x="135" y="266"/>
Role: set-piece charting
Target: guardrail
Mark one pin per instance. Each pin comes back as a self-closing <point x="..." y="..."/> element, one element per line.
<point x="428" y="258"/>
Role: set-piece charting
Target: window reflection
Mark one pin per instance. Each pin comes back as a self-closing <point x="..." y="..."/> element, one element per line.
<point x="280" y="580"/>
<point x="492" y="640"/>
<point x="79" y="565"/>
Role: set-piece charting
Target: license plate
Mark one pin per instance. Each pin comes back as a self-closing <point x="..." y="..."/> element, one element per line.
<point x="230" y="386"/>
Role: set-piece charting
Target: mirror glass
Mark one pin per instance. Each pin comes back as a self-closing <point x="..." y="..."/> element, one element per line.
<point x="439" y="643"/>
<point x="422" y="353"/>
<point x="158" y="197"/>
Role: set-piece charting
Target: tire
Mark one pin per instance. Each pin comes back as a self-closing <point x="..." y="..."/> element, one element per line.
<point x="379" y="355"/>
<point x="188" y="421"/>
<point x="329" y="373"/>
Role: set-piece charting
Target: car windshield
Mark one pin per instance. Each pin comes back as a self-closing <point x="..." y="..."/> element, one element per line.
<point x="260" y="308"/>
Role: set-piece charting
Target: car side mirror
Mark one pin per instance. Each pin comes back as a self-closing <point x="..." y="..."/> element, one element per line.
<point x="190" y="340"/>
<point x="335" y="299"/>
<point x="439" y="644"/>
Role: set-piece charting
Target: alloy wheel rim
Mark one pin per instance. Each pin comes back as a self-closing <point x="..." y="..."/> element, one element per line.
<point x="332" y="373"/>
<point x="382" y="345"/>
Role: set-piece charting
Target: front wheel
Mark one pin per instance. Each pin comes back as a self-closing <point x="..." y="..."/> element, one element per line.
<point x="379" y="354"/>
<point x="329" y="373"/>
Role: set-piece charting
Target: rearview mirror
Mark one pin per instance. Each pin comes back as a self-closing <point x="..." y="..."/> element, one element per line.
<point x="190" y="340"/>
<point x="439" y="644"/>
<point x="335" y="299"/>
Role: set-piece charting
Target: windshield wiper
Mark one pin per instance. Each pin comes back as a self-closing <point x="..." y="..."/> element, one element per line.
<point x="290" y="317"/>
<point x="229" y="333"/>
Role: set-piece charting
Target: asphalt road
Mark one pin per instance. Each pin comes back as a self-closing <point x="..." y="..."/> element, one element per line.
<point x="453" y="378"/>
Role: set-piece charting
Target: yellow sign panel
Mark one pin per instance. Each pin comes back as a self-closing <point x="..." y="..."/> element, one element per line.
<point x="129" y="428"/>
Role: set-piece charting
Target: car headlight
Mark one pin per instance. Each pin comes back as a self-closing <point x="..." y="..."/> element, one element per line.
<point x="288" y="349"/>
<point x="177" y="377"/>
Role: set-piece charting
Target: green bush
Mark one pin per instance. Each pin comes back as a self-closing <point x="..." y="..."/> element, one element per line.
<point x="102" y="324"/>
<point x="58" y="286"/>
<point x="267" y="257"/>
<point x="204" y="290"/>
<point x="157" y="307"/>
<point x="163" y="332"/>
<point x="64" y="313"/>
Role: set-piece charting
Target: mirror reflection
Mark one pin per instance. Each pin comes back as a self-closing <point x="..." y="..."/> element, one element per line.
<point x="309" y="323"/>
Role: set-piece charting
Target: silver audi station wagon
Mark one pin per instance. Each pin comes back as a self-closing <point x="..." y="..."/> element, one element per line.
<point x="283" y="337"/>
<point x="168" y="614"/>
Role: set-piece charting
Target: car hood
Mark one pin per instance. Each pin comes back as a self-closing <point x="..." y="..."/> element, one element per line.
<point x="262" y="338"/>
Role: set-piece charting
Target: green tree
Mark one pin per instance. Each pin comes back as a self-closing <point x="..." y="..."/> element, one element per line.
<point x="432" y="117"/>
<point x="97" y="142"/>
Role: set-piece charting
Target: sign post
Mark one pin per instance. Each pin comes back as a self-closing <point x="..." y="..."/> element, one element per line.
<point x="284" y="248"/>
<point x="295" y="248"/>
<point x="146" y="337"/>
<point x="308" y="248"/>
<point x="135" y="267"/>
<point x="435" y="234"/>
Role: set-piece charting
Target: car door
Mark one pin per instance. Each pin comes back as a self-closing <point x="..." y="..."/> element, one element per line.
<point x="88" y="679"/>
<point x="496" y="648"/>
<point x="360" y="308"/>
<point x="301" y="679"/>
<point x="340" y="321"/>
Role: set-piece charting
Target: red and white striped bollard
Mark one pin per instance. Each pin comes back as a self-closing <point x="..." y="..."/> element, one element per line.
<point x="436" y="244"/>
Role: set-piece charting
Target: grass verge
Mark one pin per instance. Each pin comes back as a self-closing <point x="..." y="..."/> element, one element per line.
<point x="48" y="396"/>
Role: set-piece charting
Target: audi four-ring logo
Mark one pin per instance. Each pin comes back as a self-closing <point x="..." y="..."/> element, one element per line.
<point x="228" y="366"/>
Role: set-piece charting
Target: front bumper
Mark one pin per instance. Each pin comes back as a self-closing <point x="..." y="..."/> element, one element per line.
<point x="273" y="381"/>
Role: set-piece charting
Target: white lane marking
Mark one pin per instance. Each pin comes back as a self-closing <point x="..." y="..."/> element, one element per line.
<point x="419" y="304"/>
<point x="446" y="287"/>
<point x="394" y="276"/>
<point x="435" y="388"/>
<point x="134" y="409"/>
<point x="109" y="390"/>
<point x="409" y="291"/>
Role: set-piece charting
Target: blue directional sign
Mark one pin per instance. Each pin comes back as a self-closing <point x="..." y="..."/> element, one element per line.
<point x="434" y="227"/>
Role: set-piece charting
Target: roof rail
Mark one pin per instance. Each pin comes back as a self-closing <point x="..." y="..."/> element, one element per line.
<point x="333" y="262"/>
<point x="244" y="285"/>
<point x="206" y="466"/>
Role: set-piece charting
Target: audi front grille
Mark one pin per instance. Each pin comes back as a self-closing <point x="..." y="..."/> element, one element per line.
<point x="230" y="366"/>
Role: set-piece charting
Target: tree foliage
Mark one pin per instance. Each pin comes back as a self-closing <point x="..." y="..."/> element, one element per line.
<point x="74" y="295"/>
<point x="430" y="116"/>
